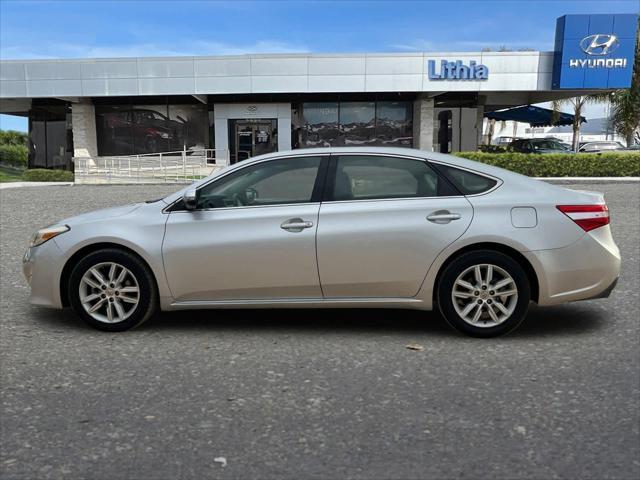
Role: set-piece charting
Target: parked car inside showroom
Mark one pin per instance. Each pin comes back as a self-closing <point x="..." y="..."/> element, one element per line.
<point x="361" y="227"/>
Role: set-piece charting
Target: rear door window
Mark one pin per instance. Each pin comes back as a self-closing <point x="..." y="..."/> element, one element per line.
<point x="369" y="177"/>
<point x="468" y="183"/>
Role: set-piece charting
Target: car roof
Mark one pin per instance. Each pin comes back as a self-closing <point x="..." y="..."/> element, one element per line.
<point x="401" y="151"/>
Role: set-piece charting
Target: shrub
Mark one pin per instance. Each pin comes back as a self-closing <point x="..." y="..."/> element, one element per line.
<point x="492" y="148"/>
<point x="14" y="155"/>
<point x="610" y="164"/>
<point x="44" y="175"/>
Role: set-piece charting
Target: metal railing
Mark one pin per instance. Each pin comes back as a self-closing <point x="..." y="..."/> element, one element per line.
<point x="183" y="166"/>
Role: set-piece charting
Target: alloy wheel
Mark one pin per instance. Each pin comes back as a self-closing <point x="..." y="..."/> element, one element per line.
<point x="484" y="295"/>
<point x="109" y="292"/>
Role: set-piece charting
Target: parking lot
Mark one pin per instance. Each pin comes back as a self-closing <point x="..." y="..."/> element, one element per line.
<point x="314" y="394"/>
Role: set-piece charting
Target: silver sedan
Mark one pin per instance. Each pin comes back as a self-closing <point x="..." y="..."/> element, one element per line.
<point x="339" y="227"/>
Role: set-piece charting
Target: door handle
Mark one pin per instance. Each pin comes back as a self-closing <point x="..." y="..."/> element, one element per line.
<point x="296" y="225"/>
<point x="443" y="216"/>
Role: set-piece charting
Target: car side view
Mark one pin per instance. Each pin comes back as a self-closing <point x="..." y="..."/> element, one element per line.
<point x="359" y="227"/>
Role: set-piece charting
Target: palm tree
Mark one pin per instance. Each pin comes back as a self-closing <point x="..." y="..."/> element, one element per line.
<point x="625" y="113"/>
<point x="625" y="104"/>
<point x="577" y="104"/>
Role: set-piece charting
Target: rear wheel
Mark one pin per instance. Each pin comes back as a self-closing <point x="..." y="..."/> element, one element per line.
<point x="484" y="293"/>
<point x="112" y="290"/>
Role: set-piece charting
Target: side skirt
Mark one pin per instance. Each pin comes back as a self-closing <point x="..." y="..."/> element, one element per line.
<point x="409" y="303"/>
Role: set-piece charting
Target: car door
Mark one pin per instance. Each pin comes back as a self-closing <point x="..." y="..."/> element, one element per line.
<point x="252" y="235"/>
<point x="384" y="221"/>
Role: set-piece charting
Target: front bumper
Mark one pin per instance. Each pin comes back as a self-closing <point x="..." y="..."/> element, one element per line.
<point x="586" y="269"/>
<point x="41" y="268"/>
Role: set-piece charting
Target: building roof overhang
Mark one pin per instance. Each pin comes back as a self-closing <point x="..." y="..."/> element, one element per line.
<point x="529" y="71"/>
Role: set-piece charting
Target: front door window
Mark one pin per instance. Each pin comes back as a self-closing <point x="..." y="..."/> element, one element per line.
<point x="275" y="182"/>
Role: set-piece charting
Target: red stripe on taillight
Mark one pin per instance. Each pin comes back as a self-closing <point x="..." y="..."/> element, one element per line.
<point x="587" y="217"/>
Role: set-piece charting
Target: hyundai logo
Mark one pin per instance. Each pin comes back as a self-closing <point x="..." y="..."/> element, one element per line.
<point x="599" y="44"/>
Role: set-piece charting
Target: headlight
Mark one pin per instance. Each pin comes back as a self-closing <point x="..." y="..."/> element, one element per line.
<point x="47" y="233"/>
<point x="164" y="135"/>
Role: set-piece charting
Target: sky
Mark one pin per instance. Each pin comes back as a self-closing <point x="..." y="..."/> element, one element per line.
<point x="82" y="28"/>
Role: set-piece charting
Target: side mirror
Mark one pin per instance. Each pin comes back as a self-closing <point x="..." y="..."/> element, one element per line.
<point x="190" y="199"/>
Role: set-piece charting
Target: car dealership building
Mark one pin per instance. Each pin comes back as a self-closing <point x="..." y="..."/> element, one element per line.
<point x="246" y="105"/>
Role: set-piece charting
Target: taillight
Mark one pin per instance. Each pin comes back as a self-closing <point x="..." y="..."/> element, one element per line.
<point x="588" y="217"/>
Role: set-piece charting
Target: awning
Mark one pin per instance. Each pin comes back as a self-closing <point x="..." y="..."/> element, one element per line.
<point x="534" y="116"/>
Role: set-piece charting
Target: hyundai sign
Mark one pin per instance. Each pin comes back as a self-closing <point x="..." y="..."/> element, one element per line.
<point x="594" y="51"/>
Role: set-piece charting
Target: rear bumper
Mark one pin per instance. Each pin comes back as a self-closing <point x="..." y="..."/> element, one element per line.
<point x="606" y="292"/>
<point x="586" y="269"/>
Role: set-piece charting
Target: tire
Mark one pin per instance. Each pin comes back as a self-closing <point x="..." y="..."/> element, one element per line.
<point x="460" y="278"/>
<point x="130" y="289"/>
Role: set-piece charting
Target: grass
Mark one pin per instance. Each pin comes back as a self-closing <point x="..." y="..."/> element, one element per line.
<point x="10" y="175"/>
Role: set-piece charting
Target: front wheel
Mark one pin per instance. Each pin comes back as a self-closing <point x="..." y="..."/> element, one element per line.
<point x="112" y="290"/>
<point x="484" y="293"/>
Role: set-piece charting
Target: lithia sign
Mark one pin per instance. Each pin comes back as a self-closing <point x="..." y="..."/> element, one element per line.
<point x="456" y="70"/>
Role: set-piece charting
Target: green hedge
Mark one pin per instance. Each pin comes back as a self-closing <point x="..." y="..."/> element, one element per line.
<point x="14" y="155"/>
<point x="492" y="148"/>
<point x="623" y="164"/>
<point x="44" y="175"/>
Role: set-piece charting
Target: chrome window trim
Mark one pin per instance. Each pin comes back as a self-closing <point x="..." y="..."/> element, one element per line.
<point x="244" y="207"/>
<point x="390" y="199"/>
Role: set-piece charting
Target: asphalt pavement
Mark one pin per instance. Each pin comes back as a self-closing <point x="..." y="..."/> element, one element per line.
<point x="314" y="394"/>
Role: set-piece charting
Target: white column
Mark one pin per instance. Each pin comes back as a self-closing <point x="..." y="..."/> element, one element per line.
<point x="83" y="119"/>
<point x="284" y="127"/>
<point x="423" y="124"/>
<point x="221" y="129"/>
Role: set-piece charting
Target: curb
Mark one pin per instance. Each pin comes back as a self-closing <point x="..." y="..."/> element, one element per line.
<point x="561" y="180"/>
<point x="7" y="185"/>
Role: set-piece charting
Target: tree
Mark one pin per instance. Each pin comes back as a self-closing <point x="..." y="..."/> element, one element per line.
<point x="11" y="137"/>
<point x="490" y="127"/>
<point x="578" y="103"/>
<point x="625" y="104"/>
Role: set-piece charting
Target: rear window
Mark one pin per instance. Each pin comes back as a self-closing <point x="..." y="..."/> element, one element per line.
<point x="466" y="182"/>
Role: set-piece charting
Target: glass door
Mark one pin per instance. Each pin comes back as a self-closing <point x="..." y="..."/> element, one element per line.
<point x="244" y="142"/>
<point x="253" y="138"/>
